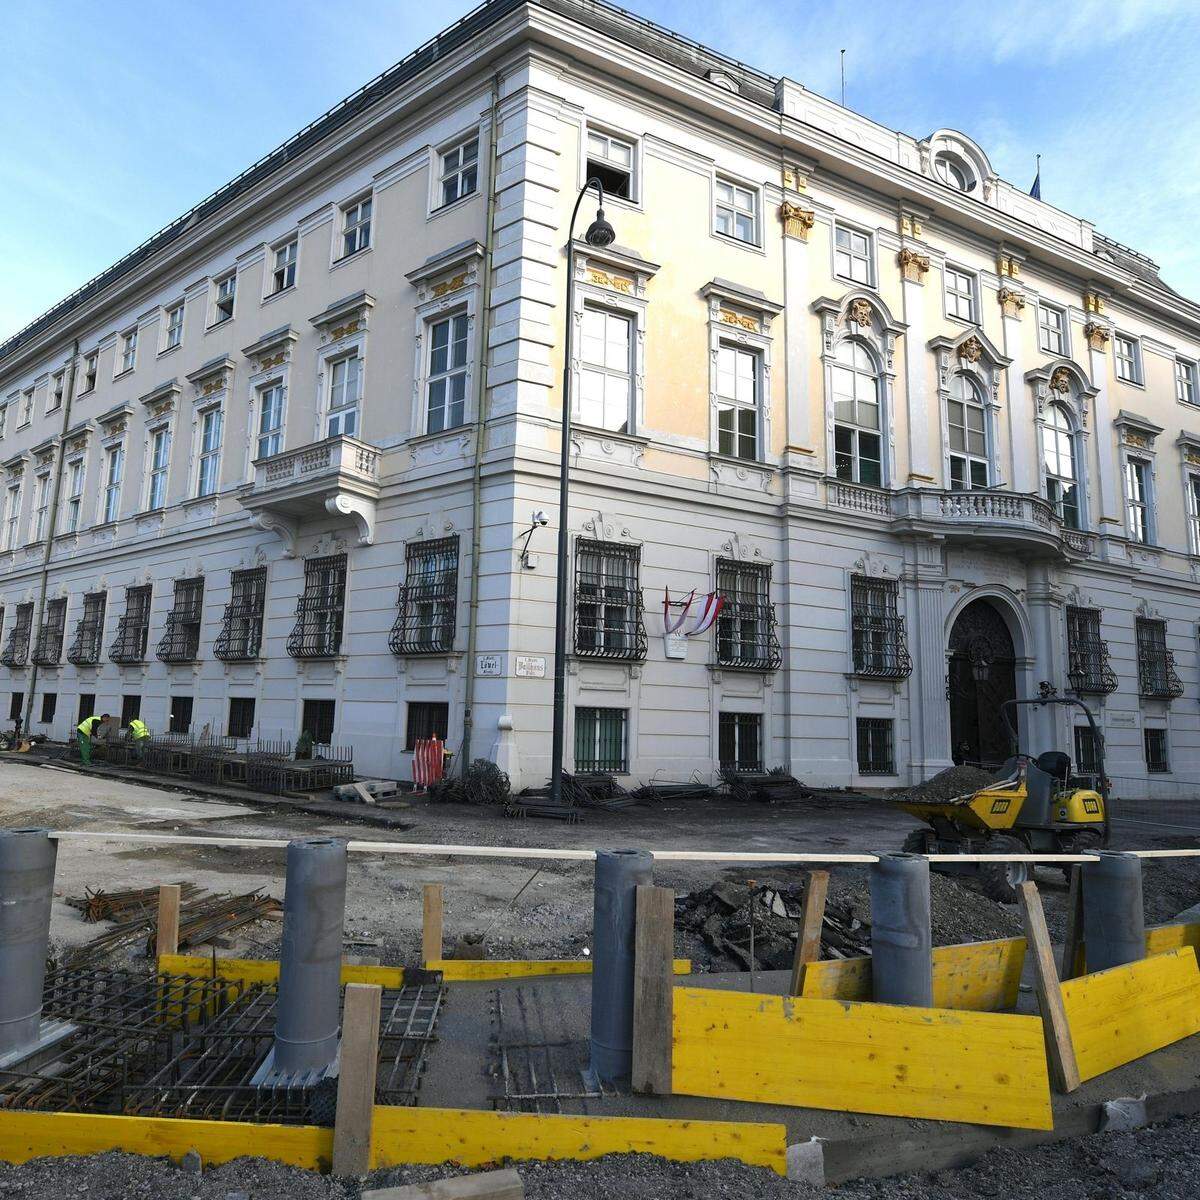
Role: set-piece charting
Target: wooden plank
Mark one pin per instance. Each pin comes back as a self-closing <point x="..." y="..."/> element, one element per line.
<point x="808" y="945"/>
<point x="1059" y="1048"/>
<point x="973" y="977"/>
<point x="1161" y="938"/>
<point x="1119" y="1015"/>
<point x="982" y="1068"/>
<point x="356" y="1080"/>
<point x="487" y="1185"/>
<point x="653" y="966"/>
<point x="431" y="922"/>
<point x="1071" y="963"/>
<point x="466" y="970"/>
<point x="253" y="970"/>
<point x="477" y="1137"/>
<point x="167" y="941"/>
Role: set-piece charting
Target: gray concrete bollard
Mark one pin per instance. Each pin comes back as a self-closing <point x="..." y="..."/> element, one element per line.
<point x="1114" y="919"/>
<point x="901" y="938"/>
<point x="27" y="861"/>
<point x="618" y="873"/>
<point x="310" y="961"/>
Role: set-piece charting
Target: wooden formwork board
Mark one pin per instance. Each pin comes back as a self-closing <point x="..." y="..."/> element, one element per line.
<point x="255" y="970"/>
<point x="465" y="970"/>
<point x="982" y="1068"/>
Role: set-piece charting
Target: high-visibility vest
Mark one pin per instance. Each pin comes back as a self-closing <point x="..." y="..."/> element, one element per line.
<point x="139" y="729"/>
<point x="88" y="724"/>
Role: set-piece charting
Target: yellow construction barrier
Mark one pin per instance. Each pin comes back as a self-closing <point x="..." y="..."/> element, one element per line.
<point x="983" y="1068"/>
<point x="467" y="970"/>
<point x="255" y="970"/>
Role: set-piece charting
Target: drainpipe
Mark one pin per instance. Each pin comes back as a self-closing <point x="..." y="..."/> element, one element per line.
<point x="480" y="430"/>
<point x="51" y="528"/>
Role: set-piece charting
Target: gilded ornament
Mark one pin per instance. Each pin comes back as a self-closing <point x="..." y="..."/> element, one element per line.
<point x="743" y="322"/>
<point x="1008" y="266"/>
<point x="1093" y="302"/>
<point x="603" y="279"/>
<point x="450" y="285"/>
<point x="797" y="221"/>
<point x="913" y="266"/>
<point x="859" y="311"/>
<point x="342" y="331"/>
<point x="1011" y="301"/>
<point x="1060" y="381"/>
<point x="971" y="349"/>
<point x="1097" y="335"/>
<point x="1138" y="440"/>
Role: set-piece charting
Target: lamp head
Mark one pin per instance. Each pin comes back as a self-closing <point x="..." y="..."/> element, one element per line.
<point x="600" y="233"/>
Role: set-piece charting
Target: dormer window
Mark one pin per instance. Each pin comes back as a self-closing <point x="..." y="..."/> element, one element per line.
<point x="954" y="172"/>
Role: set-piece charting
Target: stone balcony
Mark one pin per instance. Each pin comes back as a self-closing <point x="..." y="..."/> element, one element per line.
<point x="338" y="476"/>
<point x="1016" y="522"/>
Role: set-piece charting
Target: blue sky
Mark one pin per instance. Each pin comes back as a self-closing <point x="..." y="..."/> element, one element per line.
<point x="117" y="118"/>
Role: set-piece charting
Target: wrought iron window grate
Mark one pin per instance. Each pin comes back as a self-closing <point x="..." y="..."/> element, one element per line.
<point x="878" y="636"/>
<point x="320" y="611"/>
<point x="133" y="628"/>
<point x="428" y="600"/>
<point x="180" y="641"/>
<point x="16" y="649"/>
<point x="1088" y="670"/>
<point x="608" y="601"/>
<point x="600" y="740"/>
<point x="47" y="651"/>
<point x="89" y="632"/>
<point x="876" y="755"/>
<point x="739" y="742"/>
<point x="1157" y="679"/>
<point x="240" y="638"/>
<point x="746" y="627"/>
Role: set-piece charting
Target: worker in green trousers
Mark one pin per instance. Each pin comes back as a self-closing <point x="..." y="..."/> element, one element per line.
<point x="86" y="728"/>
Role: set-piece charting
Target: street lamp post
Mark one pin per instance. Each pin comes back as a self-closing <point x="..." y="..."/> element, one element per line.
<point x="599" y="233"/>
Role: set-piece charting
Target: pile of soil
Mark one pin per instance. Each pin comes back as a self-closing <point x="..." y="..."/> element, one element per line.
<point x="948" y="784"/>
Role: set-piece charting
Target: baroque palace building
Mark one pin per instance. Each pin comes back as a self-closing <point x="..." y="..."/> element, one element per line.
<point x="936" y="442"/>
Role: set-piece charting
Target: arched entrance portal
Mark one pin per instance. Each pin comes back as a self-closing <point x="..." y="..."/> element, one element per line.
<point x="982" y="676"/>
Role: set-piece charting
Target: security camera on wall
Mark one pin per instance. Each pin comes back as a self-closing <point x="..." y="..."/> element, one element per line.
<point x="540" y="518"/>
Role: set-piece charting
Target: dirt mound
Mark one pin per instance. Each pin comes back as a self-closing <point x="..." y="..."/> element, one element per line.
<point x="947" y="784"/>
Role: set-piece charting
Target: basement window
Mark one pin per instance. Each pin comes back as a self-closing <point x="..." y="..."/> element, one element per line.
<point x="131" y="709"/>
<point x="317" y="720"/>
<point x="181" y="714"/>
<point x="611" y="161"/>
<point x="49" y="706"/>
<point x="1087" y="752"/>
<point x="426" y="719"/>
<point x="739" y="741"/>
<point x="876" y="755"/>
<point x="15" y="705"/>
<point x="241" y="716"/>
<point x="1157" y="757"/>
<point x="600" y="740"/>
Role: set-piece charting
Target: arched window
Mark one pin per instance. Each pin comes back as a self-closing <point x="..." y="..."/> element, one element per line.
<point x="966" y="423"/>
<point x="857" y="440"/>
<point x="953" y="172"/>
<point x="1062" y="469"/>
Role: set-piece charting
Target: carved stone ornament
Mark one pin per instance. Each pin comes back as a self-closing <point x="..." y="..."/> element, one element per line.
<point x="911" y="226"/>
<point x="1012" y="302"/>
<point x="604" y="527"/>
<point x="1008" y="266"/>
<point x="739" y="548"/>
<point x="1060" y="381"/>
<point x="740" y="320"/>
<point x="797" y="221"/>
<point x="971" y="350"/>
<point x="1097" y="335"/>
<point x="913" y="266"/>
<point x="1093" y="302"/>
<point x="605" y="279"/>
<point x="859" y="311"/>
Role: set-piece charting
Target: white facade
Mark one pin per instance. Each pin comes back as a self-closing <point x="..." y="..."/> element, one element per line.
<point x="812" y="334"/>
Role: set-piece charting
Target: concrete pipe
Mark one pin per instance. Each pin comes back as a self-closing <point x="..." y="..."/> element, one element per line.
<point x="27" y="860"/>
<point x="1114" y="919"/>
<point x="618" y="873"/>
<point x="310" y="961"/>
<point x="901" y="939"/>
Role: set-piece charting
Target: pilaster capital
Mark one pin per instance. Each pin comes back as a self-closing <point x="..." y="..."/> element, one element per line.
<point x="1012" y="302"/>
<point x="797" y="220"/>
<point x="914" y="266"/>
<point x="1098" y="335"/>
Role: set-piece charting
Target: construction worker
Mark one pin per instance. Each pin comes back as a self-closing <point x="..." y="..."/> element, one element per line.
<point x="86" y="729"/>
<point x="139" y="731"/>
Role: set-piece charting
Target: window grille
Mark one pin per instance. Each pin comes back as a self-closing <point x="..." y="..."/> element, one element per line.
<point x="600" y="743"/>
<point x="876" y="755"/>
<point x="1088" y="671"/>
<point x="1087" y="751"/>
<point x="133" y="629"/>
<point x="746" y="626"/>
<point x="1156" y="664"/>
<point x="877" y="629"/>
<point x="48" y="649"/>
<point x="320" y="611"/>
<point x="428" y="600"/>
<point x="89" y="632"/>
<point x="739" y="741"/>
<point x="426" y="719"/>
<point x="240" y="638"/>
<point x="1155" y="743"/>
<point x="608" y="601"/>
<point x="16" y="649"/>
<point x="181" y="634"/>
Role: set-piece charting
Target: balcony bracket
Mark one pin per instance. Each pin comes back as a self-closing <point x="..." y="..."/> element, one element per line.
<point x="360" y="509"/>
<point x="287" y="531"/>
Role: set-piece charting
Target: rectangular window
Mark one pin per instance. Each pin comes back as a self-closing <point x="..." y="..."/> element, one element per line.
<point x="174" y="331"/>
<point x="857" y="434"/>
<point x="241" y="717"/>
<point x="852" y="257"/>
<point x="1156" y="664"/>
<point x="49" y="707"/>
<point x="1052" y="329"/>
<point x="74" y="494"/>
<point x="16" y="703"/>
<point x="600" y="741"/>
<point x="12" y="517"/>
<point x="608" y="601"/>
<point x="966" y="427"/>
<point x="446" y="386"/>
<point x="129" y="350"/>
<point x="41" y="507"/>
<point x="26" y="408"/>
<point x="131" y="709"/>
<point x="746" y="623"/>
<point x="1137" y="499"/>
<point x="133" y="629"/>
<point x="320" y="611"/>
<point x="345" y="389"/>
<point x="1088" y="671"/>
<point x="87" y="706"/>
<point x="16" y="649"/>
<point x="1157" y="757"/>
<point x="1087" y="751"/>
<point x="58" y="389"/>
<point x="270" y="420"/>
<point x="114" y="471"/>
<point x="738" y="384"/>
<point x="91" y="370"/>
<point x="160" y="457"/>
<point x="610" y="160"/>
<point x="317" y="721"/>
<point x="47" y="651"/>
<point x="225" y="300"/>
<point x="283" y="276"/>
<point x="181" y="633"/>
<point x="459" y="171"/>
<point x="878" y="641"/>
<point x="1194" y="511"/>
<point x="240" y="638"/>
<point x="89" y="632"/>
<point x="1185" y="381"/>
<point x="873" y="741"/>
<point x="181" y="714"/>
<point x="737" y="211"/>
<point x="426" y="719"/>
<point x="960" y="294"/>
<point x="3" y="418"/>
<point x="605" y="370"/>
<point x="208" y="477"/>
<point x="1128" y="356"/>
<point x="356" y="227"/>
<point x="428" y="601"/>
<point x="739" y="741"/>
